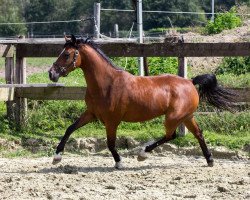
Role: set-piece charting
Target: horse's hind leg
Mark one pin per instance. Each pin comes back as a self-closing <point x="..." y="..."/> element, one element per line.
<point x="192" y="126"/>
<point x="84" y="119"/>
<point x="170" y="126"/>
<point x="151" y="146"/>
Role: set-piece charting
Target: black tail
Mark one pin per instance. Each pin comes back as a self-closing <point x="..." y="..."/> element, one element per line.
<point x="216" y="95"/>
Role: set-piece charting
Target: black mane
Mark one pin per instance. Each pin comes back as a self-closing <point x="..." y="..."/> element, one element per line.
<point x="95" y="46"/>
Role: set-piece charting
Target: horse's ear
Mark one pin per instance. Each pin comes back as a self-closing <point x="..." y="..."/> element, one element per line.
<point x="73" y="39"/>
<point x="66" y="39"/>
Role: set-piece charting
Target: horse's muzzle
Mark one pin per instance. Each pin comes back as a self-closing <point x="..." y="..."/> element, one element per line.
<point x="53" y="75"/>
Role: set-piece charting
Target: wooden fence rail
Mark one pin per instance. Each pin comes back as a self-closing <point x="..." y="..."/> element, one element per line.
<point x="9" y="92"/>
<point x="130" y="49"/>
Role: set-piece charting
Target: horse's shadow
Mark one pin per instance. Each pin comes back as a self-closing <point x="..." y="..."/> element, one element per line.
<point x="72" y="169"/>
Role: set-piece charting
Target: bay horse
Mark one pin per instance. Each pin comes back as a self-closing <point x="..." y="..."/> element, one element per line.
<point x="114" y="95"/>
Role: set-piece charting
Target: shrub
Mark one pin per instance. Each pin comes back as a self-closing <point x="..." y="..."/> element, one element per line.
<point x="234" y="65"/>
<point x="157" y="65"/>
<point x="223" y="21"/>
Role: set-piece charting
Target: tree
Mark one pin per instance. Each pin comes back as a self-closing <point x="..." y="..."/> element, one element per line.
<point x="82" y="10"/>
<point x="154" y="20"/>
<point x="48" y="10"/>
<point x="10" y="13"/>
<point x="108" y="18"/>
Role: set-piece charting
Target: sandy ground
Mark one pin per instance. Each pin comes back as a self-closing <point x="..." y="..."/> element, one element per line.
<point x="162" y="176"/>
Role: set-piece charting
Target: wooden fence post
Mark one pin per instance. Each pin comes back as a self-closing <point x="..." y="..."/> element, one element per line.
<point x="20" y="103"/>
<point x="182" y="71"/>
<point x="9" y="79"/>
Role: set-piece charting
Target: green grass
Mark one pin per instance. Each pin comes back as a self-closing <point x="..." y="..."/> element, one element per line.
<point x="40" y="62"/>
<point x="33" y="62"/>
<point x="234" y="142"/>
<point x="75" y="78"/>
<point x="231" y="80"/>
<point x="48" y="121"/>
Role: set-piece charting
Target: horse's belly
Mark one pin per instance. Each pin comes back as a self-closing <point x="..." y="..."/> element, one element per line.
<point x="142" y="114"/>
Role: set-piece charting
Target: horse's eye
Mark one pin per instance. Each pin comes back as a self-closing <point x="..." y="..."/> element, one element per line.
<point x="67" y="55"/>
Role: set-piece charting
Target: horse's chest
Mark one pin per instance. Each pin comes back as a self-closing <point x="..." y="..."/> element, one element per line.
<point x="100" y="106"/>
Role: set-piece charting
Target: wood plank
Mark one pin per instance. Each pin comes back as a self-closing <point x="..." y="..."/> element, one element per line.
<point x="9" y="79"/>
<point x="21" y="106"/>
<point x="51" y="93"/>
<point x="32" y="85"/>
<point x="131" y="49"/>
<point x="59" y="92"/>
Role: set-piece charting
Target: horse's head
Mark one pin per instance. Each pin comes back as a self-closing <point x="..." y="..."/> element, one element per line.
<point x="68" y="60"/>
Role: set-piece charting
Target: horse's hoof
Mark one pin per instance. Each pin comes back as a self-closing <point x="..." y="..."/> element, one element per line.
<point x="57" y="159"/>
<point x="210" y="161"/>
<point x="118" y="165"/>
<point x="142" y="155"/>
<point x="210" y="164"/>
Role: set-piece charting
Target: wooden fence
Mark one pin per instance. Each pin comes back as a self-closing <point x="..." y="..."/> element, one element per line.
<point x="15" y="52"/>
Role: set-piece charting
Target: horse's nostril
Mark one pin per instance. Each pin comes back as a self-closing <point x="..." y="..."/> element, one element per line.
<point x="50" y="74"/>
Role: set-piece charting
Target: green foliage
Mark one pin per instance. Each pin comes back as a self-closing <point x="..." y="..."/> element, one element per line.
<point x="177" y="29"/>
<point x="234" y="65"/>
<point x="53" y="10"/>
<point x="223" y="21"/>
<point x="156" y="65"/>
<point x="48" y="10"/>
<point x="226" y="123"/>
<point x="236" y="141"/>
<point x="161" y="65"/>
<point x="11" y="13"/>
<point x="231" y="80"/>
<point x="152" y="20"/>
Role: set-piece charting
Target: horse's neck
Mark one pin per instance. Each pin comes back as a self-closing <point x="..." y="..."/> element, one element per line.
<point x="97" y="71"/>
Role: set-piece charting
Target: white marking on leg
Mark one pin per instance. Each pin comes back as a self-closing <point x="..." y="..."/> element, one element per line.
<point x="149" y="143"/>
<point x="143" y="155"/>
<point x="57" y="158"/>
<point x="119" y="165"/>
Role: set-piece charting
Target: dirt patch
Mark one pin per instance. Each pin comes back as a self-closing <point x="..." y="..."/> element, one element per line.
<point x="162" y="176"/>
<point x="128" y="146"/>
<point x="209" y="64"/>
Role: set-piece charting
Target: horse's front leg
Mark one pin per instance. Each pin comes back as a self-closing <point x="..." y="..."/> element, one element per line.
<point x="84" y="119"/>
<point x="111" y="138"/>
